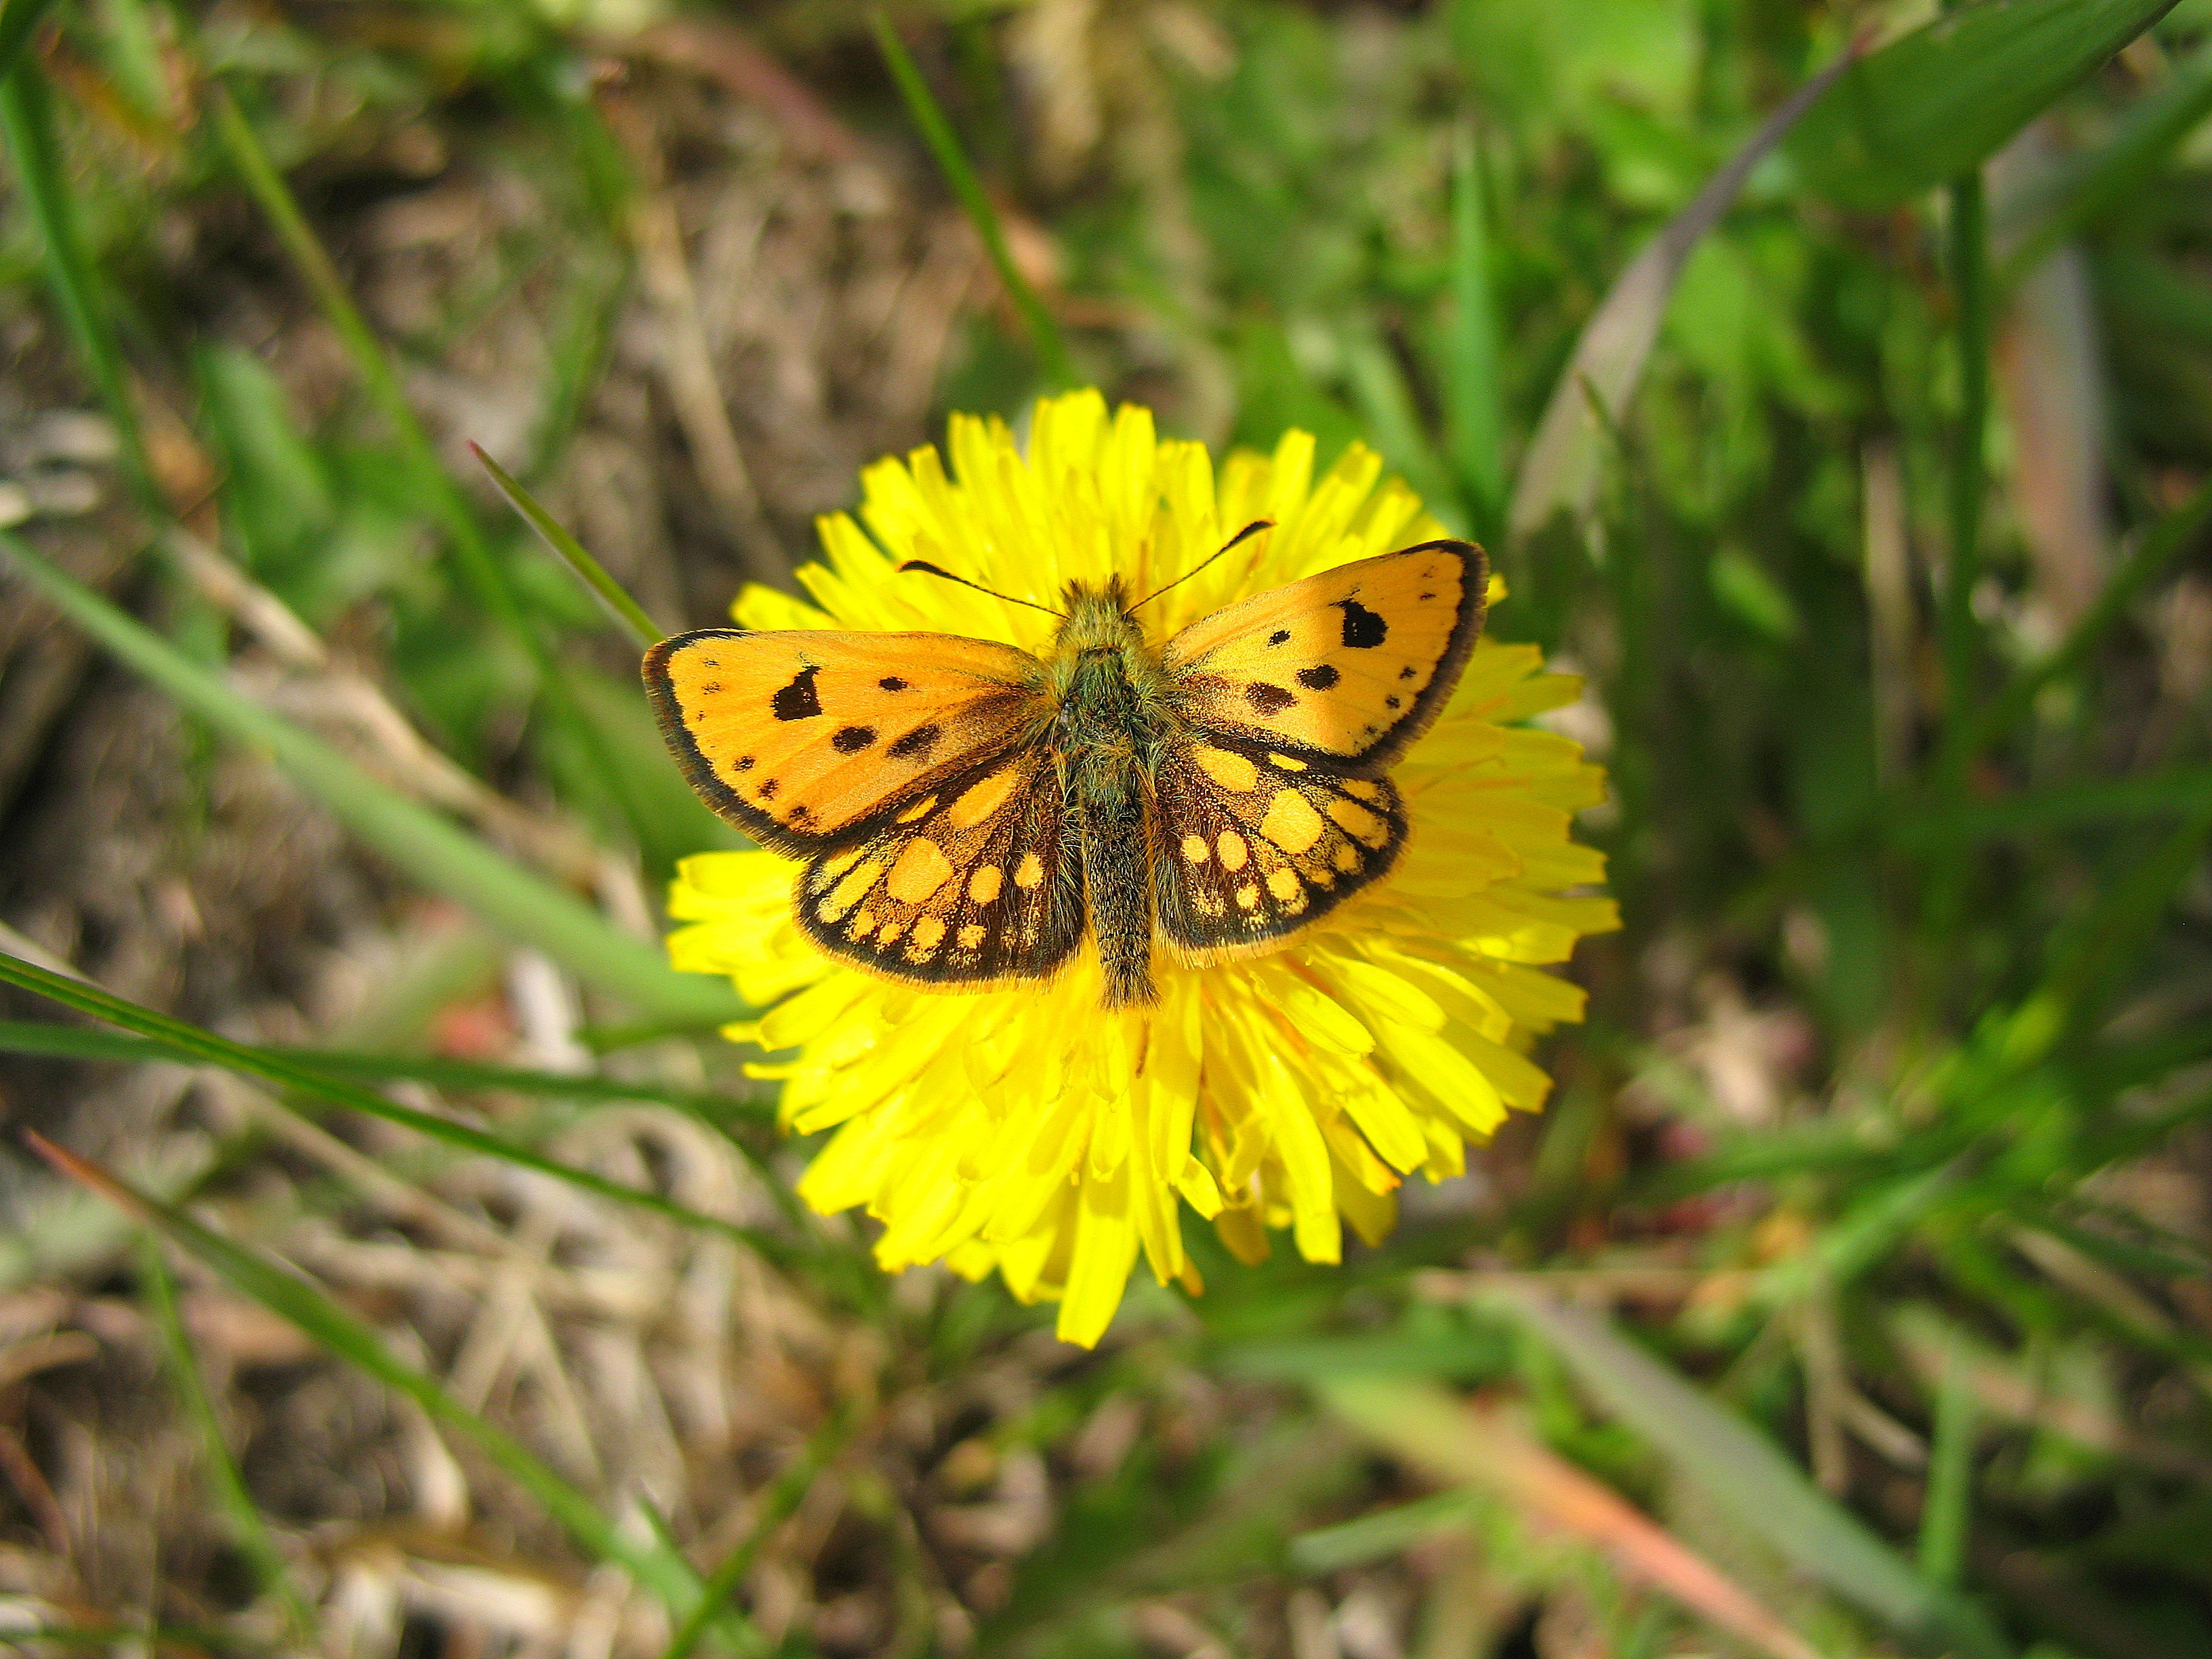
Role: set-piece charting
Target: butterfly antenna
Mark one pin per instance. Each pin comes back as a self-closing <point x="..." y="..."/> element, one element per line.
<point x="929" y="570"/>
<point x="1246" y="533"/>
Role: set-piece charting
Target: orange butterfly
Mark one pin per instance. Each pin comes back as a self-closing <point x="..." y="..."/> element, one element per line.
<point x="968" y="807"/>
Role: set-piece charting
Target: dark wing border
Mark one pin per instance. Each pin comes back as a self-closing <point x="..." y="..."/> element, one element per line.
<point x="1467" y="629"/>
<point x="726" y="803"/>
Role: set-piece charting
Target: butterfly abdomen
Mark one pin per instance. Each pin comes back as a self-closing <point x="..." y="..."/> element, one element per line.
<point x="1100" y="733"/>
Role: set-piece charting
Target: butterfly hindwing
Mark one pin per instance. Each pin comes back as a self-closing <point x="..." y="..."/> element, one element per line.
<point x="1342" y="669"/>
<point x="1252" y="843"/>
<point x="804" y="739"/>
<point x="977" y="881"/>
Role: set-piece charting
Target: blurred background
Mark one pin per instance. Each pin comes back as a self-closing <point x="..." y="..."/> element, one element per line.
<point x="1849" y="1298"/>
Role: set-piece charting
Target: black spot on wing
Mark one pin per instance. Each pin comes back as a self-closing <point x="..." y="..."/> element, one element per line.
<point x="1407" y="673"/>
<point x="768" y="789"/>
<point x="916" y="744"/>
<point x="892" y="683"/>
<point x="798" y="701"/>
<point x="1362" y="629"/>
<point x="1320" y="678"/>
<point x="744" y="763"/>
<point x="1267" y="699"/>
<point x="852" y="740"/>
<point x="1280" y="637"/>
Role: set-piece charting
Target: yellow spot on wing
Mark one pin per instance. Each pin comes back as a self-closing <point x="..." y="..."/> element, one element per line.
<point x="1288" y="762"/>
<point x="979" y="800"/>
<point x="927" y="932"/>
<point x="1248" y="895"/>
<point x="1196" y="849"/>
<point x="1284" y="884"/>
<point x="1233" y="849"/>
<point x="1358" y="823"/>
<point x="920" y="809"/>
<point x="1363" y="788"/>
<point x="983" y="886"/>
<point x="1291" y="822"/>
<point x="1227" y="768"/>
<point x="848" y="891"/>
<point x="1030" y="871"/>
<point x="973" y="935"/>
<point x="921" y="869"/>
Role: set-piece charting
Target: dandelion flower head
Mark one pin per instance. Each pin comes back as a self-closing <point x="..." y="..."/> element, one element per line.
<point x="1024" y="1130"/>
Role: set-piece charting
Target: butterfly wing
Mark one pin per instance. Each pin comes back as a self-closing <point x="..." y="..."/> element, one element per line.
<point x="1342" y="669"/>
<point x="804" y="739"/>
<point x="1253" y="844"/>
<point x="978" y="882"/>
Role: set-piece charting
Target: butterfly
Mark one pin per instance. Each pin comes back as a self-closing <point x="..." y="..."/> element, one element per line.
<point x="970" y="811"/>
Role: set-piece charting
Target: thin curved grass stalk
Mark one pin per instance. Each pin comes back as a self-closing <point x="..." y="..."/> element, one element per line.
<point x="425" y="844"/>
<point x="295" y="1299"/>
<point x="782" y="1498"/>
<point x="288" y="1074"/>
<point x="27" y="117"/>
<point x="1559" y="471"/>
<point x="589" y="571"/>
<point x="937" y="132"/>
<point x="250" y="1531"/>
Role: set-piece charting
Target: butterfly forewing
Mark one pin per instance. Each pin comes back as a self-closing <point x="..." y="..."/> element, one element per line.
<point x="1342" y="669"/>
<point x="975" y="882"/>
<point x="1252" y="843"/>
<point x="804" y="739"/>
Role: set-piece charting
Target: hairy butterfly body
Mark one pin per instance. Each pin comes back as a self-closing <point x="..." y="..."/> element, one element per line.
<point x="970" y="810"/>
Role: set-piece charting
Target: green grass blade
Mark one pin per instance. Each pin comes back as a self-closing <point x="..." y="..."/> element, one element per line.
<point x="298" y="1302"/>
<point x="1386" y="407"/>
<point x="937" y="132"/>
<point x="427" y="847"/>
<point x="788" y="1492"/>
<point x="1743" y="1471"/>
<point x="2171" y="537"/>
<point x="570" y="551"/>
<point x="1559" y="472"/>
<point x="27" y="118"/>
<point x="74" y="1042"/>
<point x="19" y="19"/>
<point x="486" y="581"/>
<point x="1481" y="1445"/>
<point x="186" y="1041"/>
<point x="1385" y="1532"/>
<point x="1968" y="479"/>
<point x="2182" y="789"/>
<point x="249" y="1531"/>
<point x="2114" y="172"/>
<point x="1950" y="1504"/>
<point x="2092" y="952"/>
<point x="1936" y="104"/>
<point x="1474" y="424"/>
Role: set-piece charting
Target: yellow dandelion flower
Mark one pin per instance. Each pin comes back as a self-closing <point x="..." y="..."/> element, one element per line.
<point x="1024" y="1130"/>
